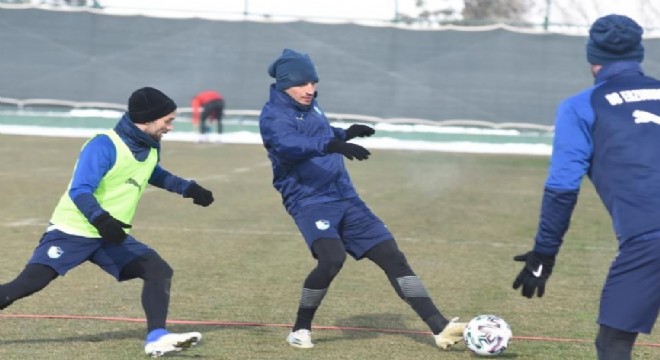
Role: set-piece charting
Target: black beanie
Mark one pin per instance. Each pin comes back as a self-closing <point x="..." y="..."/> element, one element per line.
<point x="148" y="104"/>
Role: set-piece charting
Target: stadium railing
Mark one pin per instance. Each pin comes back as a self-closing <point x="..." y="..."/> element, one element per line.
<point x="58" y="108"/>
<point x="50" y="117"/>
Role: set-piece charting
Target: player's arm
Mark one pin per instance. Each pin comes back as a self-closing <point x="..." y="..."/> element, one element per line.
<point x="189" y="189"/>
<point x="163" y="179"/>
<point x="353" y="131"/>
<point x="571" y="155"/>
<point x="282" y="136"/>
<point x="339" y="133"/>
<point x="96" y="158"/>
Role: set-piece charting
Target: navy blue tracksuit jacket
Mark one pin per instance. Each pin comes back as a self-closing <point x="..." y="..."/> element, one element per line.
<point x="610" y="132"/>
<point x="295" y="137"/>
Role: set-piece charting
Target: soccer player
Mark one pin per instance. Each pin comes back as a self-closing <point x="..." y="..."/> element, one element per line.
<point x="308" y="171"/>
<point x="610" y="132"/>
<point x="93" y="217"/>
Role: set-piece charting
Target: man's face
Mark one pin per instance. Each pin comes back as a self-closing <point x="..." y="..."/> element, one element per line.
<point x="303" y="94"/>
<point x="159" y="127"/>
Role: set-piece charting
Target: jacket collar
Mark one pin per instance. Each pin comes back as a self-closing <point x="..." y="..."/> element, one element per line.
<point x="618" y="68"/>
<point x="136" y="139"/>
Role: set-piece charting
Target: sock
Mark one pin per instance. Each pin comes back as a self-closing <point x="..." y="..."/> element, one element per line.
<point x="155" y="335"/>
<point x="304" y="318"/>
<point x="436" y="323"/>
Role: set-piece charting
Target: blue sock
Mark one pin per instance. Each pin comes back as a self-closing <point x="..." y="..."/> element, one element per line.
<point x="155" y="335"/>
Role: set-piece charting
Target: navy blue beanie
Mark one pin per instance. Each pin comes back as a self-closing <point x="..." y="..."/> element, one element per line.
<point x="292" y="69"/>
<point x="614" y="38"/>
<point x="148" y="104"/>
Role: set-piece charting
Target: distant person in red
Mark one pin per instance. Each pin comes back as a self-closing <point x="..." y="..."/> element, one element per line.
<point x="207" y="105"/>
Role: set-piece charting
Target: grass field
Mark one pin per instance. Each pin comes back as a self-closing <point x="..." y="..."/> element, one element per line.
<point x="458" y="218"/>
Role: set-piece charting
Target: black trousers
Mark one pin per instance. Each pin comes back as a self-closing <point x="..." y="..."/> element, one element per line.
<point x="212" y="110"/>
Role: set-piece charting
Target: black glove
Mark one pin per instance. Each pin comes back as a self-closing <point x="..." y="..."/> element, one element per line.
<point x="359" y="130"/>
<point x="536" y="272"/>
<point x="200" y="196"/>
<point x="110" y="229"/>
<point x="347" y="149"/>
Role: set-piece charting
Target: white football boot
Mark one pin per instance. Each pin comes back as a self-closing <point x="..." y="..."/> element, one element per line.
<point x="450" y="335"/>
<point x="172" y="342"/>
<point x="301" y="339"/>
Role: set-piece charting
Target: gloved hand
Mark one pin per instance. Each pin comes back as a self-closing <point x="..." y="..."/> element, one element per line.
<point x="110" y="229"/>
<point x="536" y="272"/>
<point x="347" y="149"/>
<point x="356" y="130"/>
<point x="200" y="196"/>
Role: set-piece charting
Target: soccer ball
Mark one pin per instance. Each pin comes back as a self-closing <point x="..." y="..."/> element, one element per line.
<point x="487" y="335"/>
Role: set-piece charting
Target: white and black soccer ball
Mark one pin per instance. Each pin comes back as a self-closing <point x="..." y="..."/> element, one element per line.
<point x="487" y="335"/>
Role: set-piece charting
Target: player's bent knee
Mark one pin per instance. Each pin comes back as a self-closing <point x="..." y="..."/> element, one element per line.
<point x="332" y="266"/>
<point x="391" y="260"/>
<point x="148" y="266"/>
<point x="160" y="269"/>
<point x="331" y="256"/>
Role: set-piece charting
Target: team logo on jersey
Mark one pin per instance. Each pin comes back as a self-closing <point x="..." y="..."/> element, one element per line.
<point x="322" y="224"/>
<point x="54" y="252"/>
<point x="132" y="181"/>
<point x="642" y="117"/>
<point x="300" y="117"/>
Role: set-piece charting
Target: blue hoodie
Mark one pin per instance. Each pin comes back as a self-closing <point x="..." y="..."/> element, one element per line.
<point x="295" y="137"/>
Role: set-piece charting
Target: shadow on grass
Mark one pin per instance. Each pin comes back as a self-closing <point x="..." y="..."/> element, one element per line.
<point x="382" y="324"/>
<point x="388" y="324"/>
<point x="137" y="334"/>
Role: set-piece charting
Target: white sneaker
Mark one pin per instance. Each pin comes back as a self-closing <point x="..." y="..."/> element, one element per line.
<point x="301" y="339"/>
<point x="450" y="335"/>
<point x="172" y="342"/>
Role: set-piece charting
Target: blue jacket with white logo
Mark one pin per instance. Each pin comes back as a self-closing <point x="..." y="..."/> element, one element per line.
<point x="295" y="137"/>
<point x="610" y="132"/>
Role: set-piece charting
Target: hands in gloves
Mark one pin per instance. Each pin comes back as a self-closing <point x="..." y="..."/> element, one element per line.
<point x="534" y="275"/>
<point x="200" y="196"/>
<point x="358" y="130"/>
<point x="111" y="229"/>
<point x="351" y="151"/>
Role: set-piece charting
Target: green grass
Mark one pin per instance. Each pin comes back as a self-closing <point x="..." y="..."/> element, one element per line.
<point x="459" y="219"/>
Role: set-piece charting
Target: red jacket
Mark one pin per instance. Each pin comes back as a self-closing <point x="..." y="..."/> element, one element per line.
<point x="202" y="99"/>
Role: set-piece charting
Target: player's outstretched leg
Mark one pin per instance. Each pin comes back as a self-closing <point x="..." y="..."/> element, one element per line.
<point x="411" y="289"/>
<point x="32" y="279"/>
